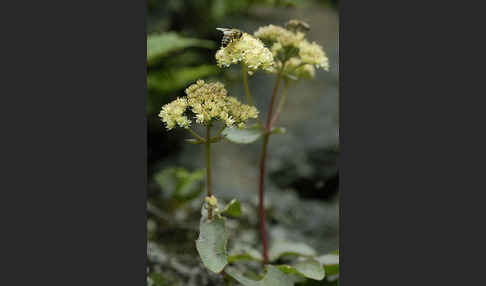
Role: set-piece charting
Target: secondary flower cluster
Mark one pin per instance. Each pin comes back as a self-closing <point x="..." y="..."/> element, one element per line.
<point x="208" y="101"/>
<point x="249" y="51"/>
<point x="301" y="56"/>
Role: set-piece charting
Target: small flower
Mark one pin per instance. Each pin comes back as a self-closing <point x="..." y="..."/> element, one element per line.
<point x="208" y="101"/>
<point x="312" y="53"/>
<point x="297" y="68"/>
<point x="272" y="34"/>
<point x="172" y="114"/>
<point x="290" y="46"/>
<point x="248" y="50"/>
<point x="212" y="201"/>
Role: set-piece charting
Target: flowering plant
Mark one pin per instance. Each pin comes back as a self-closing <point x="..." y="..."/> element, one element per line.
<point x="285" y="52"/>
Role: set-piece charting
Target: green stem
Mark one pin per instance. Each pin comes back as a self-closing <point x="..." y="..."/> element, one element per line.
<point x="196" y="135"/>
<point x="208" y="167"/>
<point x="220" y="131"/>
<point x="244" y="73"/>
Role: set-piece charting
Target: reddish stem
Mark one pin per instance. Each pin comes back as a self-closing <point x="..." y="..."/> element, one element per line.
<point x="261" y="209"/>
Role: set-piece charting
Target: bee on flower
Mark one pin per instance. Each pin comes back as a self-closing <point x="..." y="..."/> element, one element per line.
<point x="240" y="47"/>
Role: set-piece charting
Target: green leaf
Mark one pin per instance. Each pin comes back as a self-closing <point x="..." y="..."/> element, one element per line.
<point x="157" y="279"/>
<point x="330" y="262"/>
<point x="243" y="136"/>
<point x="328" y="259"/>
<point x="308" y="268"/>
<point x="211" y="244"/>
<point x="161" y="45"/>
<point x="282" y="248"/>
<point x="273" y="277"/>
<point x="233" y="208"/>
<point x="244" y="253"/>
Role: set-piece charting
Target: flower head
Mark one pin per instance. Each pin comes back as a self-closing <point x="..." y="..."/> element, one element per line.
<point x="289" y="46"/>
<point x="277" y="34"/>
<point x="208" y="102"/>
<point x="313" y="54"/>
<point x="172" y="114"/>
<point x="248" y="50"/>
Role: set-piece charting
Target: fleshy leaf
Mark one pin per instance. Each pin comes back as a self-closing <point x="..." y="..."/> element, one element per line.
<point x="308" y="268"/>
<point x="273" y="277"/>
<point x="233" y="208"/>
<point x="211" y="244"/>
<point x="243" y="136"/>
<point x="282" y="248"/>
<point x="244" y="253"/>
<point x="330" y="263"/>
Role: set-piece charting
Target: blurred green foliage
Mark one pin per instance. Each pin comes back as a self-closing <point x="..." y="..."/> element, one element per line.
<point x="169" y="69"/>
<point x="161" y="45"/>
<point x="180" y="184"/>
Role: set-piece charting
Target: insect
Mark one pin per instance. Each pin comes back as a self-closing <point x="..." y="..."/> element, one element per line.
<point x="297" y="25"/>
<point x="229" y="35"/>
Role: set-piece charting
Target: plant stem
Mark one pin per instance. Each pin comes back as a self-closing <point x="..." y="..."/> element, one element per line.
<point x="263" y="157"/>
<point x="208" y="167"/>
<point x="281" y="102"/>
<point x="195" y="135"/>
<point x="272" y="101"/>
<point x="261" y="209"/>
<point x="244" y="73"/>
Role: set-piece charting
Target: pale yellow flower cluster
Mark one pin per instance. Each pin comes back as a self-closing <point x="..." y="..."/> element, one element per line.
<point x="295" y="67"/>
<point x="208" y="101"/>
<point x="248" y="50"/>
<point x="172" y="114"/>
<point x="313" y="54"/>
<point x="301" y="63"/>
<point x="277" y="34"/>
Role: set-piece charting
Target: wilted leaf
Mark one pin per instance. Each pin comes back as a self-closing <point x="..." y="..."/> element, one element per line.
<point x="233" y="208"/>
<point x="243" y="136"/>
<point x="211" y="244"/>
<point x="282" y="248"/>
<point x="161" y="45"/>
